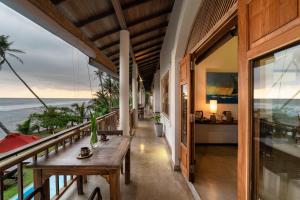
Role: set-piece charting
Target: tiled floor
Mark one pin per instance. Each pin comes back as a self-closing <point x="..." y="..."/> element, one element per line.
<point x="216" y="172"/>
<point x="151" y="174"/>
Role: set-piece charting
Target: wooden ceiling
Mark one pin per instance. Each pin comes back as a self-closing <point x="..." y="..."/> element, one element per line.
<point x="101" y="20"/>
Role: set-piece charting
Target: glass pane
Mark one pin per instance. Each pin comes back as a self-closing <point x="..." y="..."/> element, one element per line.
<point x="184" y="98"/>
<point x="276" y="126"/>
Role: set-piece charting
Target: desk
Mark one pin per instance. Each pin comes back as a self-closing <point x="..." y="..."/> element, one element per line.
<point x="216" y="133"/>
<point x="106" y="160"/>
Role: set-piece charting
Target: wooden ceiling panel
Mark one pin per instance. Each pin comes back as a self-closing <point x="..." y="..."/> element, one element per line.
<point x="143" y="11"/>
<point x="76" y="10"/>
<point x="99" y="20"/>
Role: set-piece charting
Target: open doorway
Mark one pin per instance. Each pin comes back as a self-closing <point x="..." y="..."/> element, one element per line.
<point x="216" y="130"/>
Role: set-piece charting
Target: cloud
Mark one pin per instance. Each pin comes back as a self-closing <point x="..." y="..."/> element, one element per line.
<point x="50" y="64"/>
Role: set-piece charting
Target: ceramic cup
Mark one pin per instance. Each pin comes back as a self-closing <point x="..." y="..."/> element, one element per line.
<point x="84" y="151"/>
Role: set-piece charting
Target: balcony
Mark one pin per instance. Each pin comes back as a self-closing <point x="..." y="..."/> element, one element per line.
<point x="151" y="173"/>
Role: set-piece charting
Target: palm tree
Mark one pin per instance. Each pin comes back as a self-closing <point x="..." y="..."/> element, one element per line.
<point x="5" y="51"/>
<point x="4" y="128"/>
<point x="80" y="110"/>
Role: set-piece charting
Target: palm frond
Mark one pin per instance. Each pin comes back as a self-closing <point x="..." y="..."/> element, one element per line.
<point x="16" y="57"/>
<point x="15" y="50"/>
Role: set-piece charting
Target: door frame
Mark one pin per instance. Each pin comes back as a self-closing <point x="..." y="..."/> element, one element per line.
<point x="204" y="47"/>
<point x="186" y="153"/>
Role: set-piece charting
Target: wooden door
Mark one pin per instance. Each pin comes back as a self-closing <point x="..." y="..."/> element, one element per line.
<point x="186" y="119"/>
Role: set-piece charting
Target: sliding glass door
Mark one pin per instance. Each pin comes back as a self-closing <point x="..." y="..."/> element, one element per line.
<point x="276" y="126"/>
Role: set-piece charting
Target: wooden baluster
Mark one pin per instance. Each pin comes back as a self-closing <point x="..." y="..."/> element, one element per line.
<point x="47" y="153"/>
<point x="71" y="139"/>
<point x="57" y="184"/>
<point x="65" y="180"/>
<point x="56" y="148"/>
<point x="34" y="158"/>
<point x="1" y="185"/>
<point x="64" y="144"/>
<point x="20" y="180"/>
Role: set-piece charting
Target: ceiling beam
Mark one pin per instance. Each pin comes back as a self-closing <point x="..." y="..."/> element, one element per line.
<point x="108" y="13"/>
<point x="148" y="58"/>
<point x="122" y="22"/>
<point x="158" y="43"/>
<point x="136" y="52"/>
<point x="147" y="40"/>
<point x="94" y="18"/>
<point x="146" y="61"/>
<point x="149" y="64"/>
<point x="45" y="13"/>
<point x="147" y="54"/>
<point x="149" y="50"/>
<point x="138" y="34"/>
<point x="134" y="23"/>
<point x="56" y="2"/>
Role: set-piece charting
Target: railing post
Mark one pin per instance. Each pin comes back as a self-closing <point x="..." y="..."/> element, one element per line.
<point x="1" y="186"/>
<point x="20" y="180"/>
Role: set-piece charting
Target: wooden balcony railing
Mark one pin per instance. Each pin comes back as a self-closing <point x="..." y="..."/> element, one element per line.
<point x="16" y="160"/>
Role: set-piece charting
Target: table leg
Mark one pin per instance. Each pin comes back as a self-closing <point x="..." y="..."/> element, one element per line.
<point x="114" y="185"/>
<point x="80" y="185"/>
<point x="46" y="189"/>
<point x="127" y="167"/>
<point x="39" y="181"/>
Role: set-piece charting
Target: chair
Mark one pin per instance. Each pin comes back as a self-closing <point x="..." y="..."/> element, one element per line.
<point x="96" y="194"/>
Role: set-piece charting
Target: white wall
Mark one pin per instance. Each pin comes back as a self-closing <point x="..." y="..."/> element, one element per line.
<point x="173" y="49"/>
<point x="156" y="92"/>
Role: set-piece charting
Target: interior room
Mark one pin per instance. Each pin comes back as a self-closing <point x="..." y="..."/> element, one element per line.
<point x="216" y="103"/>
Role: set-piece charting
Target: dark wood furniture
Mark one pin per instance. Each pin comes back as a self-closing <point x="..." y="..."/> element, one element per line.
<point x="96" y="194"/>
<point x="106" y="160"/>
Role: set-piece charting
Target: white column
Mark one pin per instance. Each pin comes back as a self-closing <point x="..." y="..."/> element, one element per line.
<point x="135" y="91"/>
<point x="124" y="81"/>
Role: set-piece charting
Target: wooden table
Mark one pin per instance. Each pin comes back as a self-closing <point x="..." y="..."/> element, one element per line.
<point x="106" y="160"/>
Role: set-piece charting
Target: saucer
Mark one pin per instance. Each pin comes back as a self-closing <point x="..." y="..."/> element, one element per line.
<point x="86" y="156"/>
<point x="104" y="140"/>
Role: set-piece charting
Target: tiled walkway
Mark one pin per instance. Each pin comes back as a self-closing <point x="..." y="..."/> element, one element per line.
<point x="151" y="174"/>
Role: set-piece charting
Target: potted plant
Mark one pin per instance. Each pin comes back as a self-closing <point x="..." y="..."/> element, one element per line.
<point x="158" y="125"/>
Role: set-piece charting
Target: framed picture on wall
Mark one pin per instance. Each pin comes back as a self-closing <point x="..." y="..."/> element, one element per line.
<point x="222" y="87"/>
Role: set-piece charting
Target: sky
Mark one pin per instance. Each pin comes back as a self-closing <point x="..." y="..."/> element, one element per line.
<point x="279" y="77"/>
<point x="52" y="67"/>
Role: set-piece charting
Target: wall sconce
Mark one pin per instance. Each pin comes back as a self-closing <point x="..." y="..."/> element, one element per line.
<point x="213" y="107"/>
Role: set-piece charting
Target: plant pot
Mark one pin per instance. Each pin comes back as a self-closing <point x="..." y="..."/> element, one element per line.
<point x="158" y="129"/>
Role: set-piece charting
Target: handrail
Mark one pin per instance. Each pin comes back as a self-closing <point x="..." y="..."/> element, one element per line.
<point x="54" y="142"/>
<point x="48" y="138"/>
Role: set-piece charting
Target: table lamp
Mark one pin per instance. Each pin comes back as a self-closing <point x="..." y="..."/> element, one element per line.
<point x="213" y="107"/>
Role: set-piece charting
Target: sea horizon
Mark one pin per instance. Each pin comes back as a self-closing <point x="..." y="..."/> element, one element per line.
<point x="13" y="111"/>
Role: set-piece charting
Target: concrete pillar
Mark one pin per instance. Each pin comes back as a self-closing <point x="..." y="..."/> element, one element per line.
<point x="124" y="81"/>
<point x="135" y="91"/>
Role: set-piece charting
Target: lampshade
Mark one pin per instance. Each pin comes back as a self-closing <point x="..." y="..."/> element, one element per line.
<point x="213" y="106"/>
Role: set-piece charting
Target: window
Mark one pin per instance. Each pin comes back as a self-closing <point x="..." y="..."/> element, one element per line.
<point x="165" y="94"/>
<point x="276" y="126"/>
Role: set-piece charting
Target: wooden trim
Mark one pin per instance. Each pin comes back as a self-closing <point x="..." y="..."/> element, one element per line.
<point x="289" y="37"/>
<point x="243" y="170"/>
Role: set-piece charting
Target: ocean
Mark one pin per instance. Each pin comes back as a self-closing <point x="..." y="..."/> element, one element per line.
<point x="15" y="110"/>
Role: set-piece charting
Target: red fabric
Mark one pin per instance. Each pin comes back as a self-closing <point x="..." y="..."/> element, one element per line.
<point x="15" y="140"/>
